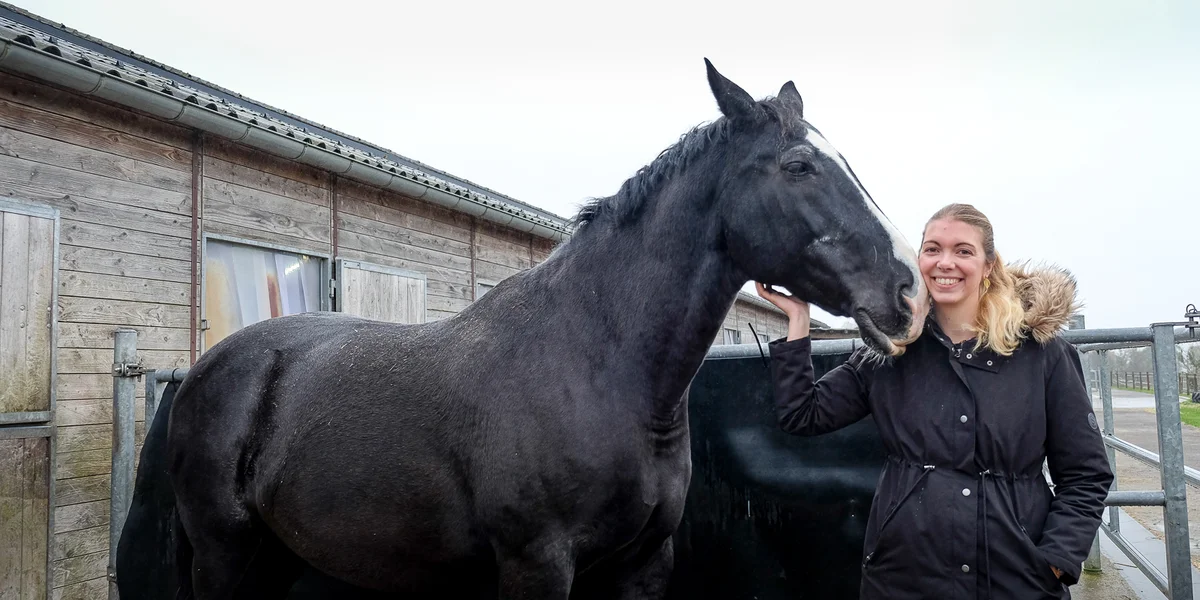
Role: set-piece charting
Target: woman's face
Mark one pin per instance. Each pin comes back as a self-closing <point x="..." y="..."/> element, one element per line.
<point x="952" y="262"/>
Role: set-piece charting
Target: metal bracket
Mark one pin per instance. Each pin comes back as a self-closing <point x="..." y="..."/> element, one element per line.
<point x="129" y="370"/>
<point x="1192" y="323"/>
<point x="1193" y="317"/>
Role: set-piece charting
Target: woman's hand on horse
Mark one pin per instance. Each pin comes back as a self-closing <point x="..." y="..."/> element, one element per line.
<point x="797" y="310"/>
<point x="790" y="305"/>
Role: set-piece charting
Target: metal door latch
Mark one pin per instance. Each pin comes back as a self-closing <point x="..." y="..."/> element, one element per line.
<point x="128" y="370"/>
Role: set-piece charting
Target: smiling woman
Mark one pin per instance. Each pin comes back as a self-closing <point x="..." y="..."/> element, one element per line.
<point x="967" y="415"/>
<point x="970" y="284"/>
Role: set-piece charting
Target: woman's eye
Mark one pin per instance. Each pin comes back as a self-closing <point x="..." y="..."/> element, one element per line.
<point x="798" y="168"/>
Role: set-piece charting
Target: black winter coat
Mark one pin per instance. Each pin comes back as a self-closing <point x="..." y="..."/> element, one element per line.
<point x="962" y="509"/>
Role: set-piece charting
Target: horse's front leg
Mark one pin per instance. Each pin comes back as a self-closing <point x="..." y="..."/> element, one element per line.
<point x="645" y="577"/>
<point x="648" y="580"/>
<point x="539" y="571"/>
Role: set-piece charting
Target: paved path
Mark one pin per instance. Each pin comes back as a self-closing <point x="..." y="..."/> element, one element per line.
<point x="1134" y="422"/>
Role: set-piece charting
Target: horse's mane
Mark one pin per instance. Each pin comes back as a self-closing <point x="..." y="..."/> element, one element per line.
<point x="633" y="195"/>
<point x="627" y="203"/>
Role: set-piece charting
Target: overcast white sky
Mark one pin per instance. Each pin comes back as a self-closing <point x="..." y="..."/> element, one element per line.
<point x="1073" y="125"/>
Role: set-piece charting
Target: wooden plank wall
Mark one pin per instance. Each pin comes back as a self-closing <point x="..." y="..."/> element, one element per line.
<point x="381" y="227"/>
<point x="122" y="185"/>
<point x="256" y="197"/>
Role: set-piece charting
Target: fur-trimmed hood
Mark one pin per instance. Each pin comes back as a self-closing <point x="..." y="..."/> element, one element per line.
<point x="1048" y="294"/>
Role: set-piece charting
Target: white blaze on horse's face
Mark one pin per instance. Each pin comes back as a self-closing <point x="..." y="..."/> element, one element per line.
<point x="901" y="249"/>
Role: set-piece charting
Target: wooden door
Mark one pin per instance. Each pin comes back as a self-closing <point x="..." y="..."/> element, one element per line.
<point x="380" y="293"/>
<point x="28" y="331"/>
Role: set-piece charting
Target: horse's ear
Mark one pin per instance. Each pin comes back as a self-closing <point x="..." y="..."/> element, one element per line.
<point x="733" y="101"/>
<point x="790" y="97"/>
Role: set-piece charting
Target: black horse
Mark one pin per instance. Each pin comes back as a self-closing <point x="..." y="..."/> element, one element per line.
<point x="536" y="445"/>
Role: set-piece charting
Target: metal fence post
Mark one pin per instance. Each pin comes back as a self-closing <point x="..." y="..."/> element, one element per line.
<point x="1114" y="512"/>
<point x="1099" y="377"/>
<point x="1170" y="444"/>
<point x="124" y="372"/>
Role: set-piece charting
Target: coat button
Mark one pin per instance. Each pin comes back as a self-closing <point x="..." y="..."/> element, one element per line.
<point x="966" y="569"/>
<point x="989" y="363"/>
<point x="968" y="356"/>
<point x="963" y="418"/>
<point x="966" y="492"/>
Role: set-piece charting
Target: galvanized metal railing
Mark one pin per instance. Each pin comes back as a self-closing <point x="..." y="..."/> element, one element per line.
<point x="1176" y="583"/>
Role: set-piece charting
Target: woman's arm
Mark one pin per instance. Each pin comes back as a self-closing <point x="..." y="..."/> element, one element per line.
<point x="805" y="406"/>
<point x="808" y="407"/>
<point x="1078" y="464"/>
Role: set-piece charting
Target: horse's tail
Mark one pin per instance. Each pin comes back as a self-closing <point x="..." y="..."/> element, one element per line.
<point x="183" y="560"/>
<point x="151" y="552"/>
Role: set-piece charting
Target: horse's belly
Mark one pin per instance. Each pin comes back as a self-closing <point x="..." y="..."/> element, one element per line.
<point x="379" y="540"/>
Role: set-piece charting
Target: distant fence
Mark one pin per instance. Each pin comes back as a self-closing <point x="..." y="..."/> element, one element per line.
<point x="1189" y="383"/>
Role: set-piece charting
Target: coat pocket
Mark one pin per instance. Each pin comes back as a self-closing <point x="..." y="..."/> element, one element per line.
<point x="1030" y="506"/>
<point x="896" y="487"/>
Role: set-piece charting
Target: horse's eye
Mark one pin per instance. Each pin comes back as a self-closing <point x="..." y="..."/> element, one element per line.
<point x="798" y="168"/>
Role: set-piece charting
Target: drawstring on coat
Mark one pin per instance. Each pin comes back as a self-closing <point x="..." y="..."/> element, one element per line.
<point x="987" y="549"/>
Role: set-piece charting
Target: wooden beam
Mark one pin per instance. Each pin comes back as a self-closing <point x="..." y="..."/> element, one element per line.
<point x="195" y="251"/>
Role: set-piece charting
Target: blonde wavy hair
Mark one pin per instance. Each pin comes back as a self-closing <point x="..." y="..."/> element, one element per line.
<point x="1000" y="323"/>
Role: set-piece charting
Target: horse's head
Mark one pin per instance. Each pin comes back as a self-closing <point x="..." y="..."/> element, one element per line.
<point x="794" y="214"/>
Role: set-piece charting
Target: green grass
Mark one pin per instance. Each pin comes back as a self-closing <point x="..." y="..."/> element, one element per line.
<point x="1190" y="414"/>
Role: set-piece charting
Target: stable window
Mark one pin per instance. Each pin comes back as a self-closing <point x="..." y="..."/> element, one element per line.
<point x="247" y="283"/>
<point x="733" y="336"/>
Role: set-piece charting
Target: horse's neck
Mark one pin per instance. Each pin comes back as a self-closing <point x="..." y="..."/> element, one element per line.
<point x="655" y="294"/>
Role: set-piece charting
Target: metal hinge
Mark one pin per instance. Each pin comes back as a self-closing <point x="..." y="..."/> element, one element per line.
<point x="1192" y="315"/>
<point x="128" y="370"/>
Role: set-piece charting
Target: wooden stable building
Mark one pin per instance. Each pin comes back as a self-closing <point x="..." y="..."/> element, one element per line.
<point x="134" y="196"/>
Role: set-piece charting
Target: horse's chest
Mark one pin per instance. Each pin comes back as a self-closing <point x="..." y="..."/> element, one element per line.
<point x="652" y="502"/>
